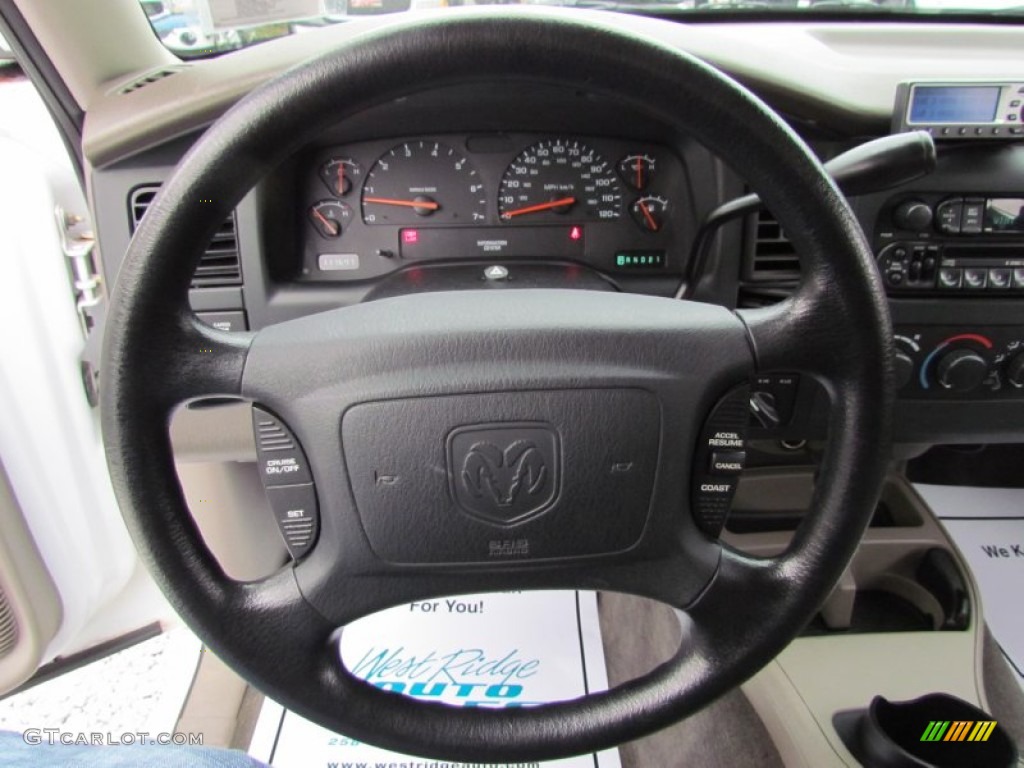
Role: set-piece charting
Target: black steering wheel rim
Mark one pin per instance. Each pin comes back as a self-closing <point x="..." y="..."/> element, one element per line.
<point x="157" y="355"/>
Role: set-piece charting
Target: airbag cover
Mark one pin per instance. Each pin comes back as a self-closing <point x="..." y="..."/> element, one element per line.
<point x="511" y="475"/>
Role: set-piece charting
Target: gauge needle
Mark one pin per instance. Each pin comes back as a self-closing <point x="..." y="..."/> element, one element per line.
<point x="341" y="178"/>
<point x="639" y="174"/>
<point x="331" y="226"/>
<point x="564" y="202"/>
<point x="425" y="204"/>
<point x="647" y="215"/>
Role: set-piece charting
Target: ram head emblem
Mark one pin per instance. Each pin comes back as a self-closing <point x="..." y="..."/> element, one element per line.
<point x="504" y="473"/>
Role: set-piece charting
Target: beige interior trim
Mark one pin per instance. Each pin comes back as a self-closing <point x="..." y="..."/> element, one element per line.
<point x="219" y="433"/>
<point x="94" y="41"/>
<point x="850" y="86"/>
<point x="33" y="603"/>
<point x="229" y="506"/>
<point x="214" y="703"/>
<point x="798" y="693"/>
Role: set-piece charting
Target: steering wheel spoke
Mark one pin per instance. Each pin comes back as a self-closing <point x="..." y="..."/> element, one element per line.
<point x="205" y="362"/>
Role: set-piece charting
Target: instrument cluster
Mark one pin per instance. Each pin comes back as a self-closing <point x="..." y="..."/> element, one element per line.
<point x="375" y="207"/>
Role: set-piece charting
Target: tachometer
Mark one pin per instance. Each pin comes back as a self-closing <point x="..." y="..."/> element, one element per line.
<point x="557" y="178"/>
<point x="423" y="180"/>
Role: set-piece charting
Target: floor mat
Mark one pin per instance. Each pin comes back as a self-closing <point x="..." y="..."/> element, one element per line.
<point x="478" y="650"/>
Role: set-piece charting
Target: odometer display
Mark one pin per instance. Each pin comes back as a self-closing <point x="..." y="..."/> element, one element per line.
<point x="559" y="180"/>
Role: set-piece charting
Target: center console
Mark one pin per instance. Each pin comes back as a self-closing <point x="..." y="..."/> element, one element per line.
<point x="903" y="622"/>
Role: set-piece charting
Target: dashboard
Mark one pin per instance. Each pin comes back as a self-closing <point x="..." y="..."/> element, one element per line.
<point x="537" y="185"/>
<point x="371" y="208"/>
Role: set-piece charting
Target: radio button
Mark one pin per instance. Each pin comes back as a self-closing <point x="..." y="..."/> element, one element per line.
<point x="974" y="212"/>
<point x="999" y="279"/>
<point x="975" y="278"/>
<point x="951" y="277"/>
<point x="949" y="215"/>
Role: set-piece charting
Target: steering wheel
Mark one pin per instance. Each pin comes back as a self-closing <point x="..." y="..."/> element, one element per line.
<point x="425" y="385"/>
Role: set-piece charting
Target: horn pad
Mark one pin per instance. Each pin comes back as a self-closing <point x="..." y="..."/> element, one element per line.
<point x="505" y="476"/>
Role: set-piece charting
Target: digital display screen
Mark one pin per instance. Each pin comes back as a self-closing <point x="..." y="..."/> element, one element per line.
<point x="935" y="104"/>
<point x="1004" y="214"/>
<point x="631" y="260"/>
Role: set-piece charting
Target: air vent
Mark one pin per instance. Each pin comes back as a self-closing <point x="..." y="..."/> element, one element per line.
<point x="219" y="265"/>
<point x="771" y="268"/>
<point x="148" y="79"/>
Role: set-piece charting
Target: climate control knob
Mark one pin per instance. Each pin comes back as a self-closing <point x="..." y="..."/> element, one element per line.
<point x="961" y="370"/>
<point x="903" y="367"/>
<point x="913" y="215"/>
<point x="1015" y="371"/>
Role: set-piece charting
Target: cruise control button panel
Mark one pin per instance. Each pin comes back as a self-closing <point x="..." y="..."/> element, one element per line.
<point x="287" y="482"/>
<point x="719" y="459"/>
<point x="277" y="451"/>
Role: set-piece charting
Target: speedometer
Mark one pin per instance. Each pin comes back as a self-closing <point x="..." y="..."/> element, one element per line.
<point x="557" y="178"/>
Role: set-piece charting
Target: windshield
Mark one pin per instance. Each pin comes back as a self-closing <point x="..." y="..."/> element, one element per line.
<point x="199" y="28"/>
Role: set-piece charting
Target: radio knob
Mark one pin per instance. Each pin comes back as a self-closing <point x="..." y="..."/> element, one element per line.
<point x="913" y="215"/>
<point x="1015" y="371"/>
<point x="961" y="370"/>
<point x="903" y="367"/>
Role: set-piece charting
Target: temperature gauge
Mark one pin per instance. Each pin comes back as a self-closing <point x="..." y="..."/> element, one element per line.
<point x="330" y="217"/>
<point x="637" y="170"/>
<point x="649" y="213"/>
<point x="341" y="174"/>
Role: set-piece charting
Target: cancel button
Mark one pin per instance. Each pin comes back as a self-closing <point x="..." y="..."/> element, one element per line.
<point x="727" y="462"/>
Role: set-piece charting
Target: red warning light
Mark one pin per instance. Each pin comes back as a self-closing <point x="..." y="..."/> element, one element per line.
<point x="576" y="233"/>
<point x="410" y="236"/>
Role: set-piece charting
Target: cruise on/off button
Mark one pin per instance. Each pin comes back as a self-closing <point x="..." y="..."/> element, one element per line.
<point x="280" y="458"/>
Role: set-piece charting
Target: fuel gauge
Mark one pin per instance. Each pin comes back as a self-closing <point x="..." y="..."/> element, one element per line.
<point x="649" y="213"/>
<point x="330" y="217"/>
<point x="341" y="174"/>
<point x="637" y="170"/>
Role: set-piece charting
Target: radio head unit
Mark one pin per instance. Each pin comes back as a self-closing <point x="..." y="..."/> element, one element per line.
<point x="951" y="244"/>
<point x="961" y="110"/>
